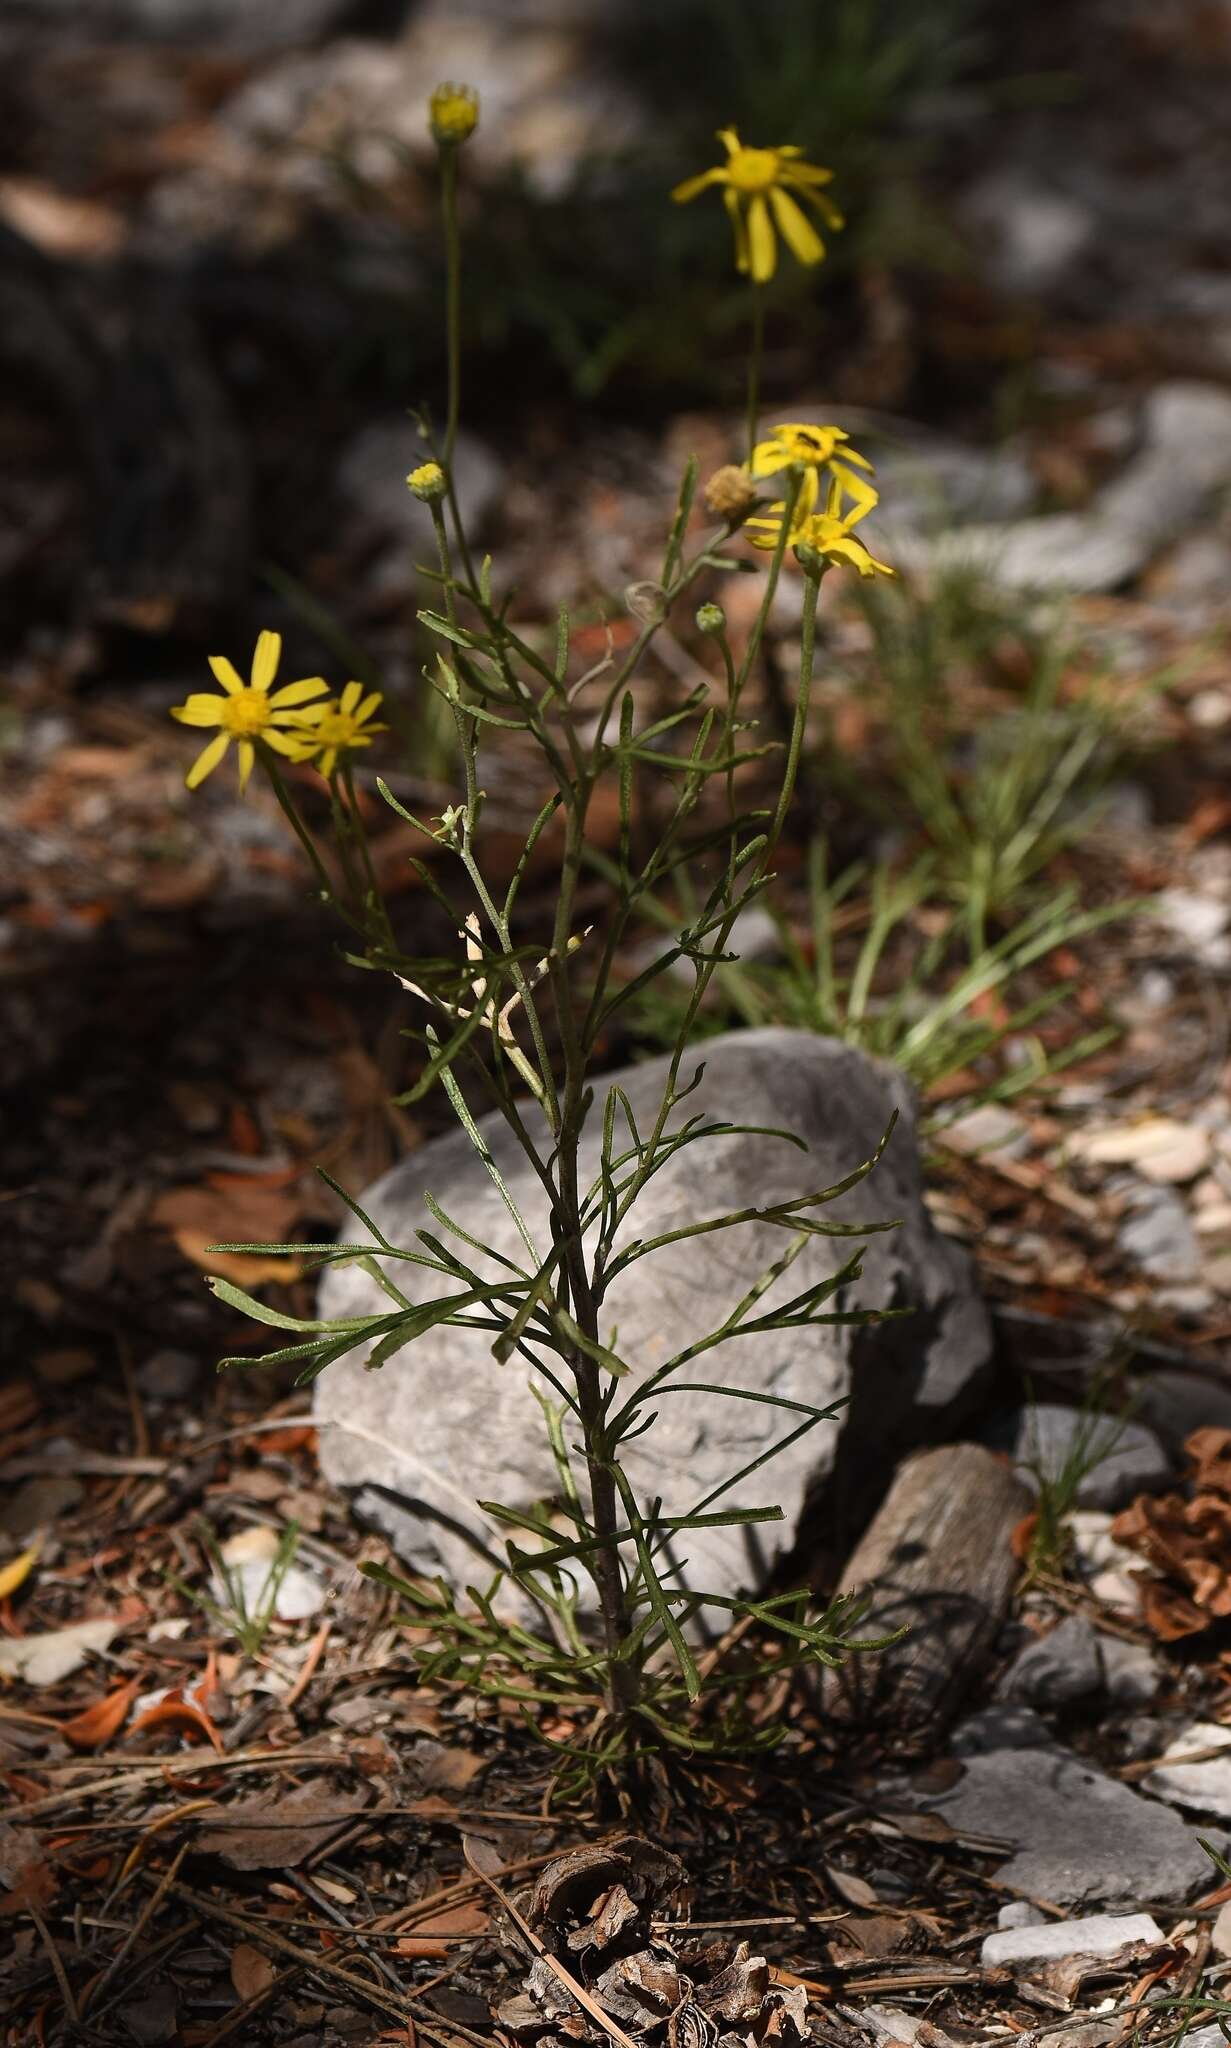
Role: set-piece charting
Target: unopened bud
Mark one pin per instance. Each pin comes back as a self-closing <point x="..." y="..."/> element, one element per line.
<point x="453" y="114"/>
<point x="731" y="493"/>
<point x="428" y="481"/>
<point x="711" y="618"/>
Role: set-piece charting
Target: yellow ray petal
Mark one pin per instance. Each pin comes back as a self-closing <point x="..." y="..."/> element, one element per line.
<point x="202" y="708"/>
<point x="370" y="703"/>
<point x="226" y="673"/>
<point x="762" y="249"/>
<point x="820" y="200"/>
<point x="284" y="742"/>
<point x="328" y="761"/>
<point x="691" y="186"/>
<point x="298" y="693"/>
<point x="265" y="660"/>
<point x="206" y="762"/>
<point x="303" y="714"/>
<point x="797" y="230"/>
<point x="351" y="694"/>
<point x="805" y="174"/>
<point x="247" y="758"/>
<point x="735" y="213"/>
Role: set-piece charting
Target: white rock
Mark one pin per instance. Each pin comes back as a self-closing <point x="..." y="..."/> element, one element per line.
<point x="46" y="1659"/>
<point x="989" y="1131"/>
<point x="1157" y="1234"/>
<point x="1209" y="709"/>
<point x="1200" y="920"/>
<point x="1205" y="1786"/>
<point x="1100" y="1934"/>
<point x="1019" y="1913"/>
<point x="1159" y="1147"/>
<point x="1220" y="1933"/>
<point x="249" y="1557"/>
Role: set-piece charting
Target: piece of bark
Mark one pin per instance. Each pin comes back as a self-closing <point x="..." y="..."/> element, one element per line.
<point x="937" y="1561"/>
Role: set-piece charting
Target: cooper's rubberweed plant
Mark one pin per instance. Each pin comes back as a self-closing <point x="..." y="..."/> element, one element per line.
<point x="509" y="1022"/>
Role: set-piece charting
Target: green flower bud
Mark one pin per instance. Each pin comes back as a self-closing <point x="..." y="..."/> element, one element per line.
<point x="453" y="114"/>
<point x="711" y="618"/>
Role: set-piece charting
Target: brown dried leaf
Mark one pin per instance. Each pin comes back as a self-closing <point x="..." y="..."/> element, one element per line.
<point x="737" y="1993"/>
<point x="96" y="1725"/>
<point x="251" y="1971"/>
<point x="855" y="1890"/>
<point x="565" y="1894"/>
<point x="1067" y="1974"/>
<point x="610" y="1915"/>
<point x="281" y="1832"/>
<point x="640" y="1990"/>
<point x="447" y="1770"/>
<point x="1210" y="1452"/>
<point x="430" y="1939"/>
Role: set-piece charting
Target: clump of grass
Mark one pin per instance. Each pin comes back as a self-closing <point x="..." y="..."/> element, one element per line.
<point x="1095" y="1437"/>
<point x="230" y="1610"/>
<point x="996" y="805"/>
<point x="911" y="989"/>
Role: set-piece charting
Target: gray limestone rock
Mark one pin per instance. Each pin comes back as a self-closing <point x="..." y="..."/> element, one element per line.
<point x="1000" y="1727"/>
<point x="1057" y="1668"/>
<point x="372" y="482"/>
<point x="444" y="1426"/>
<point x="1131" y="1674"/>
<point x="1070" y="1834"/>
<point x="1097" y="1934"/>
<point x="1159" y="494"/>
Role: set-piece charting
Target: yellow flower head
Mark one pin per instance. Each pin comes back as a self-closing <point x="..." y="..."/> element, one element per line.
<point x="755" y="191"/>
<point x="815" y="450"/>
<point x="428" y="481"/>
<point x="336" y="727"/>
<point x="247" y="712"/>
<point x="453" y="114"/>
<point x="827" y="534"/>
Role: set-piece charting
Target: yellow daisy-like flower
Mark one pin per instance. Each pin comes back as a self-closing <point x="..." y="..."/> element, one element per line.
<point x="327" y="730"/>
<point x="755" y="186"/>
<point x="453" y="113"/>
<point x="815" y="450"/>
<point x="828" y="533"/>
<point x="247" y="712"/>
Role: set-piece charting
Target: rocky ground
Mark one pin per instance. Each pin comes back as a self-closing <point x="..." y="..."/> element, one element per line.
<point x="212" y="233"/>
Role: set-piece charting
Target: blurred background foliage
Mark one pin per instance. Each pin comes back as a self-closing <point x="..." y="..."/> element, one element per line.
<point x="632" y="299"/>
